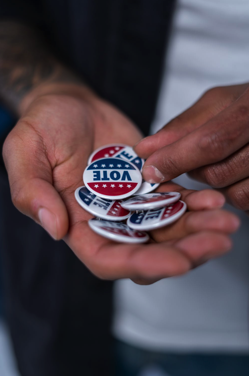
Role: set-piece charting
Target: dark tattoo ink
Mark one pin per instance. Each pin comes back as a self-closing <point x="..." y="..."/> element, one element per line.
<point x="26" y="62"/>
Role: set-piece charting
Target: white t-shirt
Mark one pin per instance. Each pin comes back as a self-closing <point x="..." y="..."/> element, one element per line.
<point x="207" y="309"/>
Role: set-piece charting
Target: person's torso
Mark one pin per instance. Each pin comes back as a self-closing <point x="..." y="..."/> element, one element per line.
<point x="208" y="308"/>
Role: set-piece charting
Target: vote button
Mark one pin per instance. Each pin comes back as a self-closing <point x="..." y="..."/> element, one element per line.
<point x="150" y="200"/>
<point x="112" y="178"/>
<point x="100" y="207"/>
<point x="157" y="218"/>
<point x="117" y="231"/>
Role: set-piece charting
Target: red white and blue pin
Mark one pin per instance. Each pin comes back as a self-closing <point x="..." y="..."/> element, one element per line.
<point x="118" y="151"/>
<point x="128" y="154"/>
<point x="112" y="178"/>
<point x="117" y="231"/>
<point x="150" y="201"/>
<point x="100" y="207"/>
<point x="157" y="218"/>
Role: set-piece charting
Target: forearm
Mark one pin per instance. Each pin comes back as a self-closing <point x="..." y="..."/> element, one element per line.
<point x="26" y="63"/>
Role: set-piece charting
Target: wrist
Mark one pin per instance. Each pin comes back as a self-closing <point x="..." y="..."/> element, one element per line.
<point x="77" y="90"/>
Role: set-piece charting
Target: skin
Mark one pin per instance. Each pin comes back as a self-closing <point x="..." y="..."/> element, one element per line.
<point x="60" y="123"/>
<point x="209" y="141"/>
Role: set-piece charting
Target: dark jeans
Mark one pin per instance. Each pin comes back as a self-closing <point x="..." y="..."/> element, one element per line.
<point x="130" y="361"/>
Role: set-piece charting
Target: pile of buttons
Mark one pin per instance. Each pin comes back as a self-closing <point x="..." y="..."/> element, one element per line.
<point x="112" y="176"/>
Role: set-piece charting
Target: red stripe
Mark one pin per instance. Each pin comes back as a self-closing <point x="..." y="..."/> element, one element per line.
<point x="120" y="212"/>
<point x="176" y="207"/>
<point x="102" y="153"/>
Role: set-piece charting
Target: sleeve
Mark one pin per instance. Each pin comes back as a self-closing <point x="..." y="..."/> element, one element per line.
<point x="25" y="11"/>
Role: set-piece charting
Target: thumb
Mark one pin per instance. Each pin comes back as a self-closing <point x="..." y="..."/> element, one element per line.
<point x="31" y="182"/>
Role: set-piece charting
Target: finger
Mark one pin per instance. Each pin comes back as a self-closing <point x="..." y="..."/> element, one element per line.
<point x="193" y="222"/>
<point x="204" y="246"/>
<point x="224" y="173"/>
<point x="195" y="200"/>
<point x="238" y="194"/>
<point x="109" y="260"/>
<point x="198" y="248"/>
<point x="205" y="199"/>
<point x="209" y="105"/>
<point x="31" y="182"/>
<point x="210" y="143"/>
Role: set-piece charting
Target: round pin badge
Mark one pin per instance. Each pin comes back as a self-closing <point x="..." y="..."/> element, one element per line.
<point x="150" y="201"/>
<point x="147" y="188"/>
<point x="100" y="207"/>
<point x="156" y="218"/>
<point x="118" y="151"/>
<point x="127" y="153"/>
<point x="112" y="178"/>
<point x="119" y="232"/>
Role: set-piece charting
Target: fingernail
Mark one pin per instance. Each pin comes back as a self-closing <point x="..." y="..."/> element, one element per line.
<point x="48" y="222"/>
<point x="152" y="175"/>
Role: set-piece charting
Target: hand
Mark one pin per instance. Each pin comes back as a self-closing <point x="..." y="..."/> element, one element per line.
<point x="196" y="228"/>
<point x="45" y="156"/>
<point x="209" y="140"/>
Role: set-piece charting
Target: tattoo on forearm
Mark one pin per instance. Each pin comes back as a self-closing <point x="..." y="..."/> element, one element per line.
<point x="26" y="62"/>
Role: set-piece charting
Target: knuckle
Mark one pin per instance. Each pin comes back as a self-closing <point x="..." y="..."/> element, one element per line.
<point x="221" y="96"/>
<point x="213" y="145"/>
<point x="212" y="92"/>
<point x="170" y="166"/>
<point x="213" y="177"/>
<point x="240" y="198"/>
<point x="217" y="176"/>
<point x="218" y="92"/>
<point x="241" y="160"/>
<point x="238" y="124"/>
<point x="208" y="93"/>
<point x="221" y="138"/>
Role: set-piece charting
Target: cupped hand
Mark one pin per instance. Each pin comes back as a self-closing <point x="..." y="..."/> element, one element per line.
<point x="209" y="140"/>
<point x="45" y="155"/>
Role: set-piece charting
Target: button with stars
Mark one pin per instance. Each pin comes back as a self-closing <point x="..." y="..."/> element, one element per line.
<point x="156" y="218"/>
<point x="117" y="231"/>
<point x="112" y="178"/>
<point x="100" y="207"/>
<point x="150" y="201"/>
<point x="127" y="153"/>
<point x="118" y="151"/>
